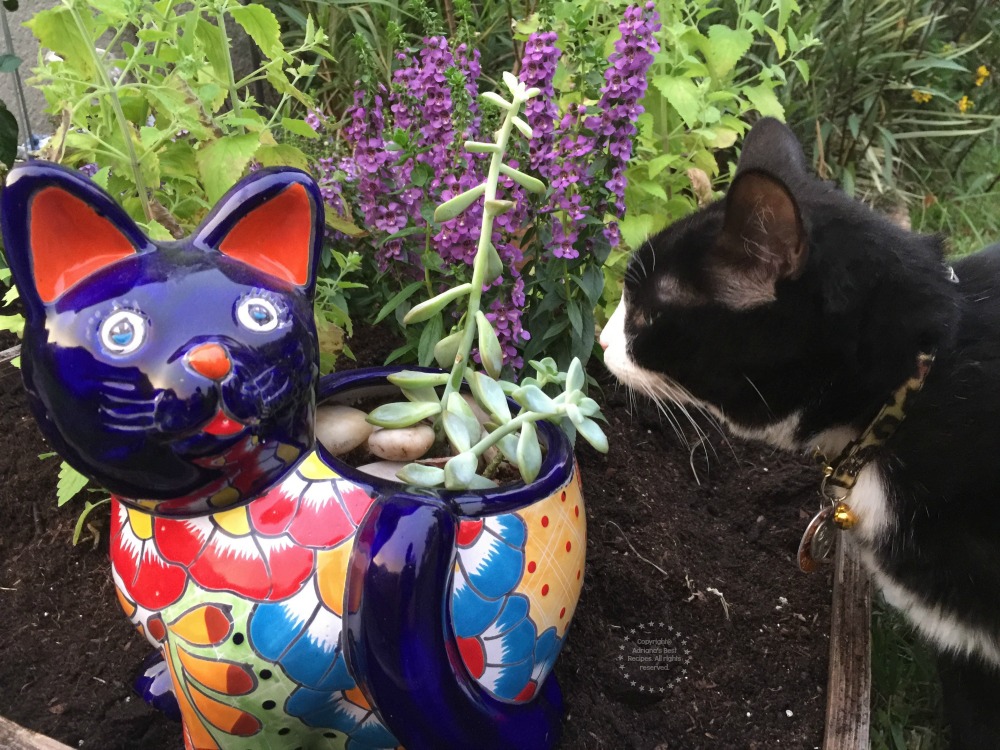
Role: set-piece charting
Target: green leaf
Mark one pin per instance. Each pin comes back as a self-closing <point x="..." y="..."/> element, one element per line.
<point x="403" y="413"/>
<point x="12" y="323"/>
<point x="397" y="299"/>
<point x="115" y="10"/>
<point x="446" y="349"/>
<point x="70" y="483"/>
<point x="683" y="95"/>
<point x="532" y="397"/>
<point x="589" y="407"/>
<point x="490" y="396"/>
<point x="88" y="507"/>
<point x="262" y="26"/>
<point x="453" y="207"/>
<point x="214" y="49"/>
<point x="222" y="162"/>
<point x="764" y="101"/>
<point x="455" y="429"/>
<point x="576" y="378"/>
<point x="299" y="127"/>
<point x="724" y="48"/>
<point x="414" y="379"/>
<point x="9" y="63"/>
<point x="489" y="346"/>
<point x="494" y="264"/>
<point x="421" y="475"/>
<point x="284" y="155"/>
<point x="458" y="406"/>
<point x="56" y="30"/>
<point x="529" y="453"/>
<point x="593" y="434"/>
<point x="508" y="446"/>
<point x="429" y="337"/>
<point x="460" y="471"/>
<point x="8" y="136"/>
<point x="434" y="305"/>
<point x="529" y="183"/>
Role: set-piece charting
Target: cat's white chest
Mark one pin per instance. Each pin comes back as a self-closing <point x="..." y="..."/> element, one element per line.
<point x="870" y="502"/>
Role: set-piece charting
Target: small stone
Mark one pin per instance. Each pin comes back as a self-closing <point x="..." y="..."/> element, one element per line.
<point x="383" y="469"/>
<point x="403" y="444"/>
<point x="341" y="429"/>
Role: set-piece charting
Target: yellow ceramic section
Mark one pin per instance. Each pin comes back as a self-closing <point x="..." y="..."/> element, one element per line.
<point x="554" y="556"/>
<point x="313" y="469"/>
<point x="331" y="574"/>
<point x="141" y="523"/>
<point x="234" y="522"/>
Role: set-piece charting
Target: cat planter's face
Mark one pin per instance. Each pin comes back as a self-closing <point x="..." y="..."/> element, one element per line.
<point x="179" y="375"/>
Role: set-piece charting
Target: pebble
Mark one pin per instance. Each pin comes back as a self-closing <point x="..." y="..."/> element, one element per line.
<point x="383" y="469"/>
<point x="341" y="429"/>
<point x="403" y="444"/>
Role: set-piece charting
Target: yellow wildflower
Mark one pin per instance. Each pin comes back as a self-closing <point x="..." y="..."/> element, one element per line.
<point x="921" y="97"/>
<point x="965" y="104"/>
<point x="982" y="73"/>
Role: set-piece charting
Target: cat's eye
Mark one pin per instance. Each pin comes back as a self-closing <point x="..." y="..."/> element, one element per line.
<point x="123" y="332"/>
<point x="257" y="314"/>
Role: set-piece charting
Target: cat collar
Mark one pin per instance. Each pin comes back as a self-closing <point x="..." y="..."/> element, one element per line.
<point x="839" y="477"/>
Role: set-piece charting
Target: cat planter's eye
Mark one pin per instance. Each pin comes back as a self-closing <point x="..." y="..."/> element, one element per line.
<point x="123" y="332"/>
<point x="257" y="314"/>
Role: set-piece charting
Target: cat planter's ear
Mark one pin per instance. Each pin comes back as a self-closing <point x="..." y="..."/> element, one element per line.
<point x="763" y="240"/>
<point x="772" y="146"/>
<point x="273" y="221"/>
<point x="58" y="229"/>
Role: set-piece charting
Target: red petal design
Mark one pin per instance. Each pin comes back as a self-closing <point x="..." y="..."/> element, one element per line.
<point x="272" y="513"/>
<point x="468" y="531"/>
<point x="176" y="541"/>
<point x="473" y="656"/>
<point x="323" y="525"/>
<point x="356" y="499"/>
<point x="222" y="569"/>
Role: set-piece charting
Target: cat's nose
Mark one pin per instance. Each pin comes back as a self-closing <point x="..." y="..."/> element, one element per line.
<point x="210" y="360"/>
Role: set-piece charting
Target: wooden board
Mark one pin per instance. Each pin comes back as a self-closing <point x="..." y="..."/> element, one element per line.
<point x="15" y="737"/>
<point x="848" y="705"/>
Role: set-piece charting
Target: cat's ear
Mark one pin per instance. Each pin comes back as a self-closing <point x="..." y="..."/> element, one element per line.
<point x="772" y="146"/>
<point x="58" y="229"/>
<point x="763" y="235"/>
<point x="273" y="221"/>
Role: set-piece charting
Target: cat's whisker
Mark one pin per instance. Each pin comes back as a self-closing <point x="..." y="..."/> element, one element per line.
<point x="764" y="400"/>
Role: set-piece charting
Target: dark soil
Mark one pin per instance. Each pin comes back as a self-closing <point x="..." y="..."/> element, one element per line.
<point x="690" y="552"/>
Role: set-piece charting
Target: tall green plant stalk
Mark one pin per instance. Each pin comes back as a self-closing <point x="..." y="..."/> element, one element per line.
<point x="116" y="106"/>
<point x="514" y="435"/>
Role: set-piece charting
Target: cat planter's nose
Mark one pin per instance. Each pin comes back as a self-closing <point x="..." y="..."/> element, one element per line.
<point x="210" y="360"/>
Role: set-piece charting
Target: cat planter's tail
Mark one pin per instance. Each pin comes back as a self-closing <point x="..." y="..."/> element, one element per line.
<point x="401" y="644"/>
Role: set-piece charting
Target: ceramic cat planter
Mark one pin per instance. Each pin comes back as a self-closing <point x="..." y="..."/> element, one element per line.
<point x="296" y="601"/>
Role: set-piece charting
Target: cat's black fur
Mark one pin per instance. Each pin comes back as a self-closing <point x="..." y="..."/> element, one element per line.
<point x="788" y="297"/>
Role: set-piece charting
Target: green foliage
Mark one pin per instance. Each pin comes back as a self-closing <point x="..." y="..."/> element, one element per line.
<point x="71" y="482"/>
<point x="385" y="26"/>
<point x="164" y="119"/>
<point x="906" y="694"/>
<point x="515" y="436"/>
<point x="713" y="70"/>
<point x="893" y="106"/>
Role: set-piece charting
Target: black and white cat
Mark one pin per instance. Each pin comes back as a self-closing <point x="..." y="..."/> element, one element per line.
<point x="792" y="312"/>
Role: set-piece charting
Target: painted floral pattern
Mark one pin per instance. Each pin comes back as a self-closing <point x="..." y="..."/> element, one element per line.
<point x="246" y="605"/>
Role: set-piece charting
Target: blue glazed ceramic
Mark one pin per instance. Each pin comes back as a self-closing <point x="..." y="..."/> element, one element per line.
<point x="294" y="601"/>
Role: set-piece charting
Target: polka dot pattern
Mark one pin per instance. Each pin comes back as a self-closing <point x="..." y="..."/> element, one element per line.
<point x="554" y="555"/>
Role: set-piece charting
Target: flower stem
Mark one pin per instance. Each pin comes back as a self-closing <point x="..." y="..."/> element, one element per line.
<point x="123" y="124"/>
<point x="481" y="260"/>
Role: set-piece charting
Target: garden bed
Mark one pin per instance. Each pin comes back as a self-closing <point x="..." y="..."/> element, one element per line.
<point x="702" y="569"/>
